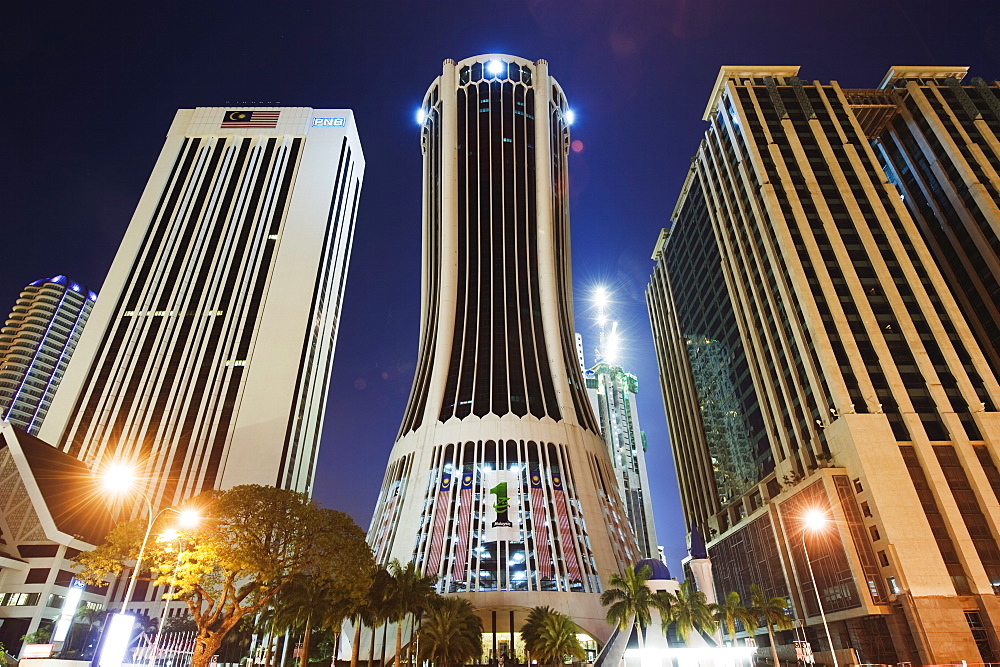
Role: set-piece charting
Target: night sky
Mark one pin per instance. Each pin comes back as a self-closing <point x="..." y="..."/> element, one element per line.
<point x="91" y="88"/>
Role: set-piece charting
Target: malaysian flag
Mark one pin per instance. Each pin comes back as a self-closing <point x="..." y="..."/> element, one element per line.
<point x="539" y="528"/>
<point x="565" y="535"/>
<point x="442" y="507"/>
<point x="244" y="119"/>
<point x="464" y="519"/>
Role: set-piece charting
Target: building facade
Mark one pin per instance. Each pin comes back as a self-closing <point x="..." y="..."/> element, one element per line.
<point x="499" y="482"/>
<point x="208" y="358"/>
<point x="855" y="350"/>
<point x="612" y="393"/>
<point x="48" y="514"/>
<point x="36" y="344"/>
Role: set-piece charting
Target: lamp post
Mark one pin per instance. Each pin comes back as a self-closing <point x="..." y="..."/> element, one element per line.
<point x="119" y="479"/>
<point x="816" y="520"/>
<point x="170" y="535"/>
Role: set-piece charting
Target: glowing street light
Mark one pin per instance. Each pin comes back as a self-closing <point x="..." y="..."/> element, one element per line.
<point x="494" y="67"/>
<point x="816" y="520"/>
<point x="119" y="479"/>
<point x="601" y="297"/>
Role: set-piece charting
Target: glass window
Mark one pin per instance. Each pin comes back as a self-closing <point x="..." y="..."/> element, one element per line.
<point x="37" y="575"/>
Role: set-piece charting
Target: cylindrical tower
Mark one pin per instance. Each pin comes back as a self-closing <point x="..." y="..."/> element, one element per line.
<point x="36" y="344"/>
<point x="499" y="482"/>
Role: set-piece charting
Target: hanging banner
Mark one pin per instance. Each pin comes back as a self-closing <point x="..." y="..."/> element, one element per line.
<point x="502" y="489"/>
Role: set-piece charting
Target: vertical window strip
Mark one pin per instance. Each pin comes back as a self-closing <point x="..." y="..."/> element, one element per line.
<point x="863" y="547"/>
<point x="938" y="525"/>
<point x="982" y="536"/>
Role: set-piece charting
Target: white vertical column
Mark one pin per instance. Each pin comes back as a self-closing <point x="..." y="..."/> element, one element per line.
<point x="448" y="280"/>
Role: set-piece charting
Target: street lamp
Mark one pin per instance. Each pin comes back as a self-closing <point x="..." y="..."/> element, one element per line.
<point x="816" y="520"/>
<point x="119" y="479"/>
<point x="166" y="537"/>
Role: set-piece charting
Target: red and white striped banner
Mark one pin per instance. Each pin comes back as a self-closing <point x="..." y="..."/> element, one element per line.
<point x="464" y="521"/>
<point x="540" y="528"/>
<point x="442" y="508"/>
<point x="566" y="538"/>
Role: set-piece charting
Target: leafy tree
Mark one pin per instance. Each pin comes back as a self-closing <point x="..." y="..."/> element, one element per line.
<point x="690" y="610"/>
<point x="39" y="636"/>
<point x="550" y="636"/>
<point x="411" y="594"/>
<point x="630" y="599"/>
<point x="256" y="541"/>
<point x="771" y="613"/>
<point x="729" y="611"/>
<point x="451" y="633"/>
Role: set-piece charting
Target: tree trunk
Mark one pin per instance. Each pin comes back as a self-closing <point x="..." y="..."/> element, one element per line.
<point x="371" y="649"/>
<point x="399" y="640"/>
<point x="268" y="651"/>
<point x="306" y="636"/>
<point x="356" y="646"/>
<point x="284" y="649"/>
<point x="205" y="646"/>
<point x="385" y="633"/>
<point x="774" y="646"/>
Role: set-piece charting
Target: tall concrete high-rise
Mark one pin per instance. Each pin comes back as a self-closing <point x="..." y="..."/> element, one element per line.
<point x="612" y="391"/>
<point x="36" y="344"/>
<point x="499" y="481"/>
<point x="835" y="245"/>
<point x="207" y="359"/>
<point x="939" y="147"/>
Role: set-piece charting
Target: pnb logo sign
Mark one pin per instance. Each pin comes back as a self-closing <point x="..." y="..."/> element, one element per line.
<point x="329" y="122"/>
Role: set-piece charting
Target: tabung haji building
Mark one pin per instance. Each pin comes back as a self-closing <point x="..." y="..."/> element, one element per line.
<point x="499" y="482"/>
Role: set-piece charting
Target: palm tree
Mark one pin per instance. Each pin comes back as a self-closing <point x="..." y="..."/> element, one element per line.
<point x="377" y="608"/>
<point x="369" y="613"/>
<point x="451" y="633"/>
<point x="411" y="594"/>
<point x="690" y="610"/>
<point x="298" y="607"/>
<point x="531" y="630"/>
<point x="726" y="614"/>
<point x="549" y="636"/>
<point x="631" y="599"/>
<point x="87" y="617"/>
<point x="771" y="612"/>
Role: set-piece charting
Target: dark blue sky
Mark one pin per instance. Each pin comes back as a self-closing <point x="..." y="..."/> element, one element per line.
<point x="91" y="88"/>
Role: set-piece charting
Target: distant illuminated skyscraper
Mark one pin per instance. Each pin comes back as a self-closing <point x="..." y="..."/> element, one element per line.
<point x="208" y="358"/>
<point x="499" y="482"/>
<point x="36" y="344"/>
<point x="612" y="393"/>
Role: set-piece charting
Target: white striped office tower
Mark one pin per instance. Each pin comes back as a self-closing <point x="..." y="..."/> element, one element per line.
<point x="499" y="483"/>
<point x="207" y="359"/>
